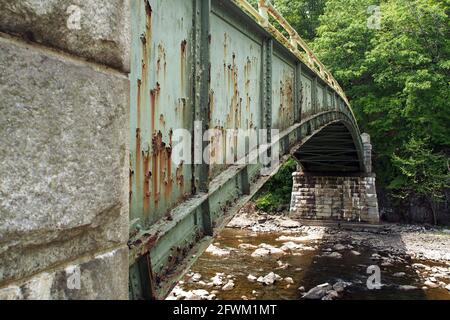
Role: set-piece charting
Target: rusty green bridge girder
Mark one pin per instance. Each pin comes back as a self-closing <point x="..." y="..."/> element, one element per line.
<point x="220" y="64"/>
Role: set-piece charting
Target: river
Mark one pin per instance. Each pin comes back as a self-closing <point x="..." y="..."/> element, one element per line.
<point x="306" y="262"/>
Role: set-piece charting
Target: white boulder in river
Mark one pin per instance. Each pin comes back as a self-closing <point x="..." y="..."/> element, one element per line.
<point x="251" y="278"/>
<point x="228" y="286"/>
<point x="269" y="278"/>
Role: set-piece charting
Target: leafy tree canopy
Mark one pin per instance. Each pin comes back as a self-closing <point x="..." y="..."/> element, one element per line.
<point x="303" y="15"/>
<point x="397" y="78"/>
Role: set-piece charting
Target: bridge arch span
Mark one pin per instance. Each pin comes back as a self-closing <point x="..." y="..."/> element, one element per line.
<point x="334" y="148"/>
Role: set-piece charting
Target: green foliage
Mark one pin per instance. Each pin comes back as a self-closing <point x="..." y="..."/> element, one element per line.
<point x="276" y="193"/>
<point x="268" y="202"/>
<point x="420" y="170"/>
<point x="397" y="79"/>
<point x="303" y="15"/>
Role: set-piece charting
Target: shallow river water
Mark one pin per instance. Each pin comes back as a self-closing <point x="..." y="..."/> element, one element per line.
<point x="307" y="267"/>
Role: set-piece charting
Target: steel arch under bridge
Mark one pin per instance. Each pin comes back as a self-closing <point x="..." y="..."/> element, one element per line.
<point x="218" y="64"/>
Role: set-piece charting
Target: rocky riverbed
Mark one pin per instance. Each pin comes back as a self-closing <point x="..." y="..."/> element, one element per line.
<point x="260" y="256"/>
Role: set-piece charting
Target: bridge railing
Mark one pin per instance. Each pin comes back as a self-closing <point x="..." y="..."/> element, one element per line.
<point x="295" y="43"/>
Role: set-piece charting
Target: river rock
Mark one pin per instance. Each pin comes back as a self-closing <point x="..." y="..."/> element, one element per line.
<point x="407" y="287"/>
<point x="287" y="246"/>
<point x="289" y="280"/>
<point x="260" y="252"/>
<point x="251" y="278"/>
<point x="335" y="255"/>
<point x="246" y="246"/>
<point x="200" y="292"/>
<point x="241" y="221"/>
<point x="340" y="286"/>
<point x="399" y="274"/>
<point x="430" y="284"/>
<point x="376" y="256"/>
<point x="177" y="294"/>
<point x="282" y="265"/>
<point x="308" y="237"/>
<point x="192" y="296"/>
<point x="288" y="223"/>
<point x="229" y="286"/>
<point x="331" y="295"/>
<point x="421" y="266"/>
<point x="269" y="278"/>
<point x="339" y="247"/>
<point x="447" y="287"/>
<point x="217" y="280"/>
<point x="318" y="292"/>
<point x="196" y="277"/>
<point x="216" y="251"/>
<point x="266" y="249"/>
<point x="356" y="253"/>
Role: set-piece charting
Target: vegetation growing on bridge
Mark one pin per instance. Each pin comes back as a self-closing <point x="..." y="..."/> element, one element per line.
<point x="397" y="80"/>
<point x="276" y="193"/>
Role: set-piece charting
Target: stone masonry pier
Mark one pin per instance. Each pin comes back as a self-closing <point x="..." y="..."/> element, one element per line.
<point x="346" y="198"/>
<point x="337" y="196"/>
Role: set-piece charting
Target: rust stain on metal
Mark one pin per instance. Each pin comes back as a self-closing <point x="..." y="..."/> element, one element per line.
<point x="167" y="160"/>
<point x="181" y="107"/>
<point x="130" y="186"/>
<point x="210" y="105"/>
<point x="145" y="38"/>
<point x="147" y="175"/>
<point x="286" y="100"/>
<point x="161" y="59"/>
<point x="141" y="88"/>
<point x="154" y="95"/>
<point x="179" y="175"/>
<point x="248" y="99"/>
<point x="138" y="135"/>
<point x="225" y="44"/>
<point x="161" y="166"/>
<point x="138" y="157"/>
<point x="183" y="62"/>
<point x="157" y="145"/>
<point x="148" y="11"/>
<point x="162" y="121"/>
<point x="138" y="111"/>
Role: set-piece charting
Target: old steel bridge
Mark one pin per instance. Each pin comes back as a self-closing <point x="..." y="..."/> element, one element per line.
<point x="221" y="62"/>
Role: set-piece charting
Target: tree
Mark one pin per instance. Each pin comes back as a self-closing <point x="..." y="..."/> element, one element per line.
<point x="303" y="15"/>
<point x="397" y="79"/>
